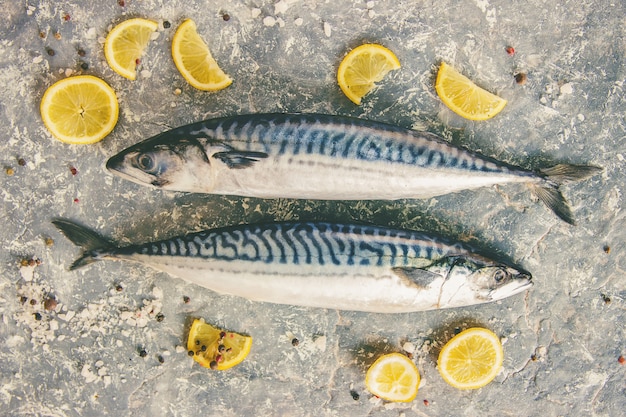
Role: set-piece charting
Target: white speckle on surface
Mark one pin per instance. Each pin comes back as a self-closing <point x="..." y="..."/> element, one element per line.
<point x="566" y="88"/>
<point x="298" y="21"/>
<point x="280" y="7"/>
<point x="255" y="12"/>
<point x="370" y="5"/>
<point x="91" y="34"/>
<point x="269" y="21"/>
<point x="408" y="347"/>
<point x="146" y="73"/>
<point x="490" y="12"/>
<point x="581" y="117"/>
<point x="37" y="59"/>
<point x="327" y="29"/>
<point x="320" y="343"/>
<point x="27" y="272"/>
<point x="88" y="374"/>
<point x="14" y="341"/>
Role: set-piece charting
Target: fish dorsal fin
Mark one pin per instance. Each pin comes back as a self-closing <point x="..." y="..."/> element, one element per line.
<point x="236" y="159"/>
<point x="416" y="277"/>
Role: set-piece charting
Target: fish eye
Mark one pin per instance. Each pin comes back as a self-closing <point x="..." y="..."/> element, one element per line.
<point x="145" y="162"/>
<point x="500" y="275"/>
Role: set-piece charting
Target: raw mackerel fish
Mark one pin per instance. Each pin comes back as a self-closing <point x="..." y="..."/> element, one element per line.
<point x="311" y="156"/>
<point x="345" y="267"/>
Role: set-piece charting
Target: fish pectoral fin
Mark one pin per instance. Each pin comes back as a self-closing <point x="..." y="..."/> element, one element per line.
<point x="416" y="277"/>
<point x="235" y="159"/>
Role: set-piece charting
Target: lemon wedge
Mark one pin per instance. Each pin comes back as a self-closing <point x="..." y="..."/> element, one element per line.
<point x="215" y="348"/>
<point x="79" y="110"/>
<point x="126" y="43"/>
<point x="393" y="377"/>
<point x="464" y="97"/>
<point x="362" y="68"/>
<point x="471" y="359"/>
<point x="194" y="60"/>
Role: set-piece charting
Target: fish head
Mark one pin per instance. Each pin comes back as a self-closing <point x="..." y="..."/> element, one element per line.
<point x="478" y="280"/>
<point x="165" y="162"/>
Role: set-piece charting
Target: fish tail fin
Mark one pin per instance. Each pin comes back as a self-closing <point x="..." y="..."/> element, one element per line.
<point x="550" y="194"/>
<point x="566" y="173"/>
<point x="93" y="245"/>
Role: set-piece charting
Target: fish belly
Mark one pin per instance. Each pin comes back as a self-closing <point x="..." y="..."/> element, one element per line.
<point x="356" y="289"/>
<point x="330" y="178"/>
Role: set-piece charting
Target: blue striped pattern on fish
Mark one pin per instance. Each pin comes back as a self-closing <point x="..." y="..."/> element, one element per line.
<point x="312" y="156"/>
<point x="340" y="137"/>
<point x="347" y="267"/>
<point x="306" y="243"/>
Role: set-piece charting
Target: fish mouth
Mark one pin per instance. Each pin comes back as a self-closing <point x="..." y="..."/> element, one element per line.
<point x="120" y="166"/>
<point x="521" y="282"/>
<point x="115" y="163"/>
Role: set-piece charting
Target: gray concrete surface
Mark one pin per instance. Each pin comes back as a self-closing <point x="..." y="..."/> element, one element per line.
<point x="562" y="340"/>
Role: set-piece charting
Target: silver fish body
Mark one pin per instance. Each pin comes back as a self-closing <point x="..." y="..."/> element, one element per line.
<point x="346" y="267"/>
<point x="312" y="156"/>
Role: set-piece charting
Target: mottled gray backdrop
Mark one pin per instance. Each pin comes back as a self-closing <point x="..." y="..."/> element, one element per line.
<point x="113" y="344"/>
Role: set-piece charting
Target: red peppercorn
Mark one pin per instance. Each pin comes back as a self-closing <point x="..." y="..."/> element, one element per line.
<point x="73" y="170"/>
<point x="137" y="61"/>
<point x="426" y="403"/>
<point x="510" y="50"/>
<point x="67" y="17"/>
<point x="621" y="359"/>
<point x="122" y="3"/>
<point x="76" y="200"/>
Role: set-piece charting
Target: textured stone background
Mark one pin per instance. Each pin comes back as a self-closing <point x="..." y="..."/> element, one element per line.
<point x="562" y="340"/>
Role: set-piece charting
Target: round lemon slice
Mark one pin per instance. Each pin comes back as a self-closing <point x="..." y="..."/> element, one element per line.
<point x="393" y="377"/>
<point x="362" y="68"/>
<point x="126" y="43"/>
<point x="464" y="97"/>
<point x="215" y="348"/>
<point x="79" y="110"/>
<point x="194" y="60"/>
<point x="471" y="359"/>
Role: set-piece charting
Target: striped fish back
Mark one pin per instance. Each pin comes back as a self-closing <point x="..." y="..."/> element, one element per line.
<point x="306" y="244"/>
<point x="342" y="137"/>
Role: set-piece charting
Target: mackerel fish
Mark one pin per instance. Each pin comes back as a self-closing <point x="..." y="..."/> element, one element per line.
<point x="312" y="156"/>
<point x="335" y="266"/>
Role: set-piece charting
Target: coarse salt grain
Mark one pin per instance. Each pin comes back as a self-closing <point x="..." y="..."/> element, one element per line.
<point x="327" y="29"/>
<point x="280" y="7"/>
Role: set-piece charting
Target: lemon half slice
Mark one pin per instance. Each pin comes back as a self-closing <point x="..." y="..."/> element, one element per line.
<point x="125" y="44"/>
<point x="362" y="68"/>
<point x="194" y="60"/>
<point x="79" y="110"/>
<point x="464" y="97"/>
<point x="215" y="348"/>
<point x="471" y="359"/>
<point x="393" y="377"/>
